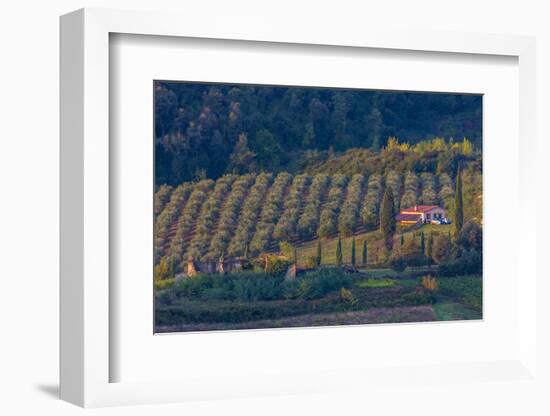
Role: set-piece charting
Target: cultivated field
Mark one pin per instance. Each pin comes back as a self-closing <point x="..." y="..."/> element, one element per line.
<point x="250" y="214"/>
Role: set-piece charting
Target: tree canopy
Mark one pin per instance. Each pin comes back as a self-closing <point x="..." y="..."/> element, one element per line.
<point x="207" y="130"/>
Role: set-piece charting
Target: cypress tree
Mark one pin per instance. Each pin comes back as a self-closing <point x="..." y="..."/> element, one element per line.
<point x="422" y="244"/>
<point x="430" y="249"/>
<point x="402" y="239"/>
<point x="387" y="218"/>
<point x="318" y="258"/>
<point x="171" y="266"/>
<point x="459" y="208"/>
<point x="364" y="252"/>
<point x="339" y="252"/>
<point x="353" y="252"/>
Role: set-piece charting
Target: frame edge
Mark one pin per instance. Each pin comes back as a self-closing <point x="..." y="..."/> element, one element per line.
<point x="71" y="219"/>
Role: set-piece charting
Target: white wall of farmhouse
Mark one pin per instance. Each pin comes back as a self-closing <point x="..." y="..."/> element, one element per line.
<point x="436" y="213"/>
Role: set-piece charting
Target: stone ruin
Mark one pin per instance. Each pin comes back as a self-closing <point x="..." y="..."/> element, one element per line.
<point x="221" y="266"/>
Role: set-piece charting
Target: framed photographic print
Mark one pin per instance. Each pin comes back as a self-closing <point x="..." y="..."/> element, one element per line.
<point x="282" y="206"/>
<point x="285" y="212"/>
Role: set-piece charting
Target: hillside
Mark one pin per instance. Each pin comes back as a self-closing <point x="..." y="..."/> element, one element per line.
<point x="245" y="215"/>
<point x="198" y="126"/>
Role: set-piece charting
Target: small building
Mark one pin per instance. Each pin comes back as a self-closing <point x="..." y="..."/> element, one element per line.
<point x="425" y="214"/>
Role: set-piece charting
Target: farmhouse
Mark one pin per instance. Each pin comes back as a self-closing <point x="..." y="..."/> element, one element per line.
<point x="422" y="213"/>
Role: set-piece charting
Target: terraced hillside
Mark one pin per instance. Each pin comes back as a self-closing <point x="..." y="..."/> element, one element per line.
<point x="250" y="214"/>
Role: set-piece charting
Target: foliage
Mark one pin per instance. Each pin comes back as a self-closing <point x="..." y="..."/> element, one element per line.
<point x="348" y="219"/>
<point x="446" y="190"/>
<point x="208" y="215"/>
<point x="285" y="229"/>
<point x="248" y="217"/>
<point x="286" y="249"/>
<point x="387" y="218"/>
<point x="167" y="217"/>
<point x="314" y="285"/>
<point x="378" y="251"/>
<point x="429" y="195"/>
<point x="328" y="219"/>
<point x="162" y="196"/>
<point x="470" y="262"/>
<point x="429" y="250"/>
<point x="165" y="269"/>
<point x="347" y="297"/>
<point x="353" y="251"/>
<point x="311" y="262"/>
<point x="441" y="249"/>
<point x="371" y="204"/>
<point x="307" y="224"/>
<point x="410" y="191"/>
<point x="472" y="193"/>
<point x="399" y="264"/>
<point x="237" y="215"/>
<point x="420" y="296"/>
<point x="228" y="218"/>
<point x="458" y="206"/>
<point x="206" y="129"/>
<point x="242" y="286"/>
<point x="318" y="256"/>
<point x="430" y="283"/>
<point x="242" y="160"/>
<point x="339" y="255"/>
<point x="271" y="211"/>
<point x="393" y="181"/>
<point x="410" y="252"/>
<point x="470" y="237"/>
<point x="164" y="283"/>
<point x="273" y="265"/>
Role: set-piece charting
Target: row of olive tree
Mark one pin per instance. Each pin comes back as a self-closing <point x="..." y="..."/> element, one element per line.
<point x="371" y="204"/>
<point x="349" y="215"/>
<point x="208" y="216"/>
<point x="328" y="220"/>
<point x="271" y="212"/>
<point x="238" y="246"/>
<point x="187" y="219"/>
<point x="229" y="217"/>
<point x="307" y="224"/>
<point x="285" y="230"/>
<point x="168" y="216"/>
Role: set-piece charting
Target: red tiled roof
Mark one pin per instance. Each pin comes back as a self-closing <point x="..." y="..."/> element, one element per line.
<point x="408" y="217"/>
<point x="420" y="208"/>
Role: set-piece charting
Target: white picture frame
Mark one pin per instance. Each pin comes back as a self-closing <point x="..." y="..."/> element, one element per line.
<point x="85" y="212"/>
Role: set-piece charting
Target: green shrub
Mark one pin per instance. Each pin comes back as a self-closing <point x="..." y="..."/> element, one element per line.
<point x="399" y="264"/>
<point x="470" y="262"/>
<point x="419" y="297"/>
<point x="311" y="262"/>
<point x="164" y="283"/>
<point x="314" y="285"/>
<point x="347" y="297"/>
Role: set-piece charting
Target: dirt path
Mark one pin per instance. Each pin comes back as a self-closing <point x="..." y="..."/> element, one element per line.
<point x="422" y="313"/>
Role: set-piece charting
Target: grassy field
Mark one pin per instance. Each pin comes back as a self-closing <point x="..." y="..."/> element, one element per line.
<point x="328" y="245"/>
<point x="308" y="301"/>
<point x="375" y="283"/>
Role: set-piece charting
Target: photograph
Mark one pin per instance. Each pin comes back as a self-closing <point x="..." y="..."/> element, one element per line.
<point x="295" y="206"/>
